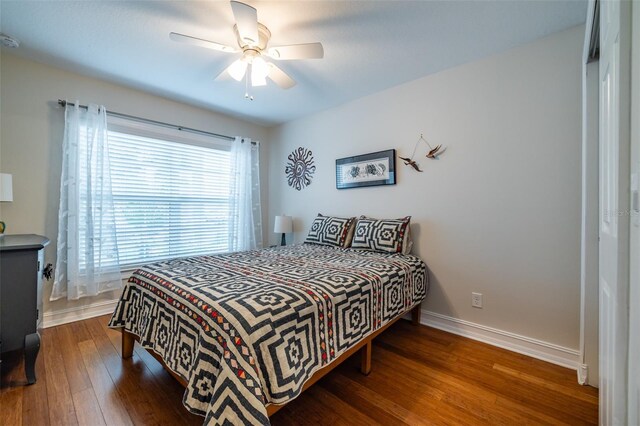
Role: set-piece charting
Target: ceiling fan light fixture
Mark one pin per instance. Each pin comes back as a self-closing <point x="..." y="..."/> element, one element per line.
<point x="253" y="40"/>
<point x="259" y="71"/>
<point x="257" y="80"/>
<point x="238" y="69"/>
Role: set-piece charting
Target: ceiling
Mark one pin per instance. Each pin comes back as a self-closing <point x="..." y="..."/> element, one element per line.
<point x="369" y="45"/>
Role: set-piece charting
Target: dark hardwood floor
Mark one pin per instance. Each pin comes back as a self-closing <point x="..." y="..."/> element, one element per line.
<point x="420" y="376"/>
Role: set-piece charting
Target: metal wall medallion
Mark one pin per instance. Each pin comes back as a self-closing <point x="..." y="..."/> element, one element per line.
<point x="300" y="168"/>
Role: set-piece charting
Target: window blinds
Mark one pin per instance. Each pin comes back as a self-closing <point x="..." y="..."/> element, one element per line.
<point x="171" y="198"/>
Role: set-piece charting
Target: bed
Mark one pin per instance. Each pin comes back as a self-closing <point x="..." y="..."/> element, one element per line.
<point x="247" y="332"/>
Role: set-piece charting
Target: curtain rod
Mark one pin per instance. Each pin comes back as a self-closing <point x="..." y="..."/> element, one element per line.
<point x="158" y="123"/>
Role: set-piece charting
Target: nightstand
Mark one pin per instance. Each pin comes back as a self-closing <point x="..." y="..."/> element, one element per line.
<point x="21" y="263"/>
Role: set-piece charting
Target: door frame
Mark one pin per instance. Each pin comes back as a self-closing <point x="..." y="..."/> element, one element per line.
<point x="588" y="371"/>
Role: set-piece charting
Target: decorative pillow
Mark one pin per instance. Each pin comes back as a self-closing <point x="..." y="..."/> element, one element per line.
<point x="382" y="235"/>
<point x="407" y="243"/>
<point x="331" y="231"/>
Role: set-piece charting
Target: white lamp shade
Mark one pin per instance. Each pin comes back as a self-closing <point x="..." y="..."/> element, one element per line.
<point x="283" y="225"/>
<point x="259" y="72"/>
<point x="6" y="187"/>
<point x="237" y="69"/>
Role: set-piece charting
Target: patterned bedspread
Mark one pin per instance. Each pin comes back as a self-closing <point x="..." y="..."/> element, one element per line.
<point x="248" y="329"/>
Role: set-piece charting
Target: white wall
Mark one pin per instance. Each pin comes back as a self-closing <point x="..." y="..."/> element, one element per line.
<point x="499" y="213"/>
<point x="31" y="133"/>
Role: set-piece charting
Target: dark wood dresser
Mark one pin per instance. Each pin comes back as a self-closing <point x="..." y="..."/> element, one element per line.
<point x="21" y="264"/>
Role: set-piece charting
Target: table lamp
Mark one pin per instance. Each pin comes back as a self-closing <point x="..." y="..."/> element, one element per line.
<point x="283" y="225"/>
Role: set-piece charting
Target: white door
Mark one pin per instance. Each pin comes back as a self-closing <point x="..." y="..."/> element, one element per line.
<point x="634" y="282"/>
<point x="614" y="203"/>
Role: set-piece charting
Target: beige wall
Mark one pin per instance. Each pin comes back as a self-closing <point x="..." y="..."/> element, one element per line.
<point x="499" y="213"/>
<point x="31" y="141"/>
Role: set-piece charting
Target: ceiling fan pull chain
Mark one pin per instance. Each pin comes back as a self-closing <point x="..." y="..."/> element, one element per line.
<point x="246" y="88"/>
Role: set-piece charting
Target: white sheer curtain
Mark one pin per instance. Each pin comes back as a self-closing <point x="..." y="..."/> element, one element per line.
<point x="87" y="262"/>
<point x="245" y="221"/>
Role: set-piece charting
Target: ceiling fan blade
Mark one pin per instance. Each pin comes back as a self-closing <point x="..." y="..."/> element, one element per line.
<point x="280" y="77"/>
<point x="297" y="51"/>
<point x="181" y="38"/>
<point x="247" y="22"/>
<point x="223" y="75"/>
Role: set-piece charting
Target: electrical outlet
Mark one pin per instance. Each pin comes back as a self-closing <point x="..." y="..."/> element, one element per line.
<point x="476" y="300"/>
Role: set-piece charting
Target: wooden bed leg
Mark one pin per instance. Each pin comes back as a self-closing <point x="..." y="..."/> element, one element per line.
<point x="365" y="360"/>
<point x="415" y="315"/>
<point x="128" y="340"/>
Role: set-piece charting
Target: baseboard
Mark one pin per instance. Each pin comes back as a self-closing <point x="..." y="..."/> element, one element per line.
<point x="503" y="339"/>
<point x="64" y="316"/>
<point x="583" y="374"/>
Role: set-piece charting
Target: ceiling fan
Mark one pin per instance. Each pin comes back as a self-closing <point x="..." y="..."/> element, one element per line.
<point x="253" y="39"/>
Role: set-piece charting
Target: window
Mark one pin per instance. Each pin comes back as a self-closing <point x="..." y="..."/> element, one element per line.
<point x="170" y="192"/>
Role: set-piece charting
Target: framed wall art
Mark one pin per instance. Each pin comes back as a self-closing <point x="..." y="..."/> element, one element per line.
<point x="377" y="168"/>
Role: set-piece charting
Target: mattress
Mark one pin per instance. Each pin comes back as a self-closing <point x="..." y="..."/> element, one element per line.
<point x="248" y="329"/>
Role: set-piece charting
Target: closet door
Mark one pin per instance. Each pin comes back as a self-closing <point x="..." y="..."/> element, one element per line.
<point x="633" y="405"/>
<point x="614" y="203"/>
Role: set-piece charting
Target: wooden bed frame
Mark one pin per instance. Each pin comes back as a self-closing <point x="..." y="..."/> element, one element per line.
<point x="365" y="345"/>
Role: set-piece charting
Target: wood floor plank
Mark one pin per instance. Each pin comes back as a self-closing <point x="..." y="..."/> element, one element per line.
<point x="61" y="408"/>
<point x="35" y="407"/>
<point x="80" y="331"/>
<point x="170" y="384"/>
<point x="283" y="418"/>
<point x="111" y="406"/>
<point x="11" y="407"/>
<point x="178" y="410"/>
<point x="420" y="376"/>
<point x="348" y="413"/>
<point x="172" y="390"/>
<point x="481" y="387"/>
<point x="87" y="408"/>
<point x="414" y="370"/>
<point x="166" y="397"/>
<point x="308" y="412"/>
<point x="569" y="391"/>
<point x="76" y="372"/>
<point x="113" y="335"/>
<point x="474" y="376"/>
<point x="167" y="409"/>
<point x="136" y="374"/>
<point x="424" y="399"/>
<point x="488" y="354"/>
<point x="125" y="378"/>
<point x="385" y="411"/>
<point x="525" y="411"/>
<point x="12" y="391"/>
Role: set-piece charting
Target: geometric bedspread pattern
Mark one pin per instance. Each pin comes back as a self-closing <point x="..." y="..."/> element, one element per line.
<point x="250" y="328"/>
